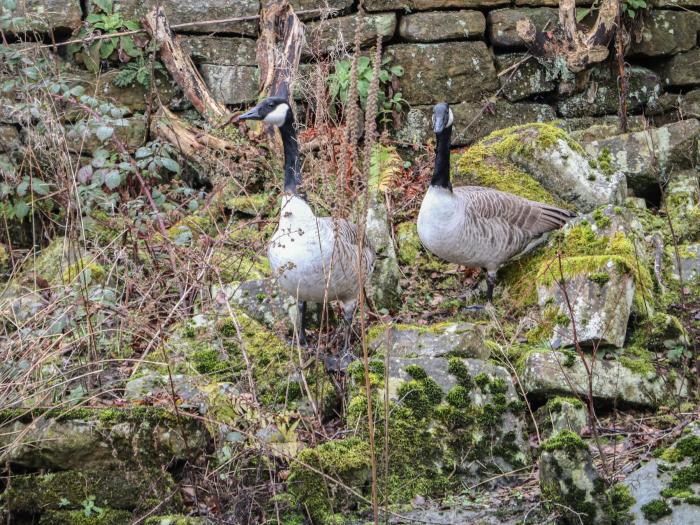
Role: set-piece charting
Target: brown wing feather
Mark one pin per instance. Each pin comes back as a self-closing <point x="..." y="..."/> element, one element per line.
<point x="532" y="217"/>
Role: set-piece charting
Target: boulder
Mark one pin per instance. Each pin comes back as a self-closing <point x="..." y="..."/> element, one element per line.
<point x="441" y="340"/>
<point x="595" y="306"/>
<point x="682" y="205"/>
<point x="426" y="5"/>
<point x="448" y="72"/>
<point x="645" y="156"/>
<point x="187" y="12"/>
<point x="501" y="24"/>
<point x="43" y="15"/>
<point x="336" y="34"/>
<point x="224" y="51"/>
<point x="568" y="477"/>
<point x="688" y="265"/>
<point x="261" y="299"/>
<point x="588" y="129"/>
<point x="231" y="84"/>
<point x="548" y="373"/>
<point x="99" y="438"/>
<point x="562" y="413"/>
<point x="601" y="96"/>
<point x="432" y="26"/>
<point x="527" y="79"/>
<point x="681" y="70"/>
<point x="473" y="120"/>
<point x="666" y="33"/>
<point x="663" y="488"/>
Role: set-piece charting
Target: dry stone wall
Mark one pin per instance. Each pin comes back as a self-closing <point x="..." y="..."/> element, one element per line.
<point x="465" y="52"/>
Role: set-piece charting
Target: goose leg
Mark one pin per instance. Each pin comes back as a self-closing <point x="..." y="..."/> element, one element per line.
<point x="490" y="284"/>
<point x="301" y="322"/>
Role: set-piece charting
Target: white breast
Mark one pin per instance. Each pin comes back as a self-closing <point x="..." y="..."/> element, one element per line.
<point x="307" y="259"/>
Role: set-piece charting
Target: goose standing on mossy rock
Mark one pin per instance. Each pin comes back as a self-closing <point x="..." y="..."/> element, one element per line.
<point x="315" y="259"/>
<point x="475" y="226"/>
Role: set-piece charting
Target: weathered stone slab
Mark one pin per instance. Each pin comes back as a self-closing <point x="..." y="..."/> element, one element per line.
<point x="231" y="84"/>
<point x="473" y="121"/>
<point x="588" y="129"/>
<point x="600" y="306"/>
<point x="426" y="5"/>
<point x="681" y="203"/>
<point x="548" y="373"/>
<point x="667" y="33"/>
<point x="338" y="34"/>
<point x="186" y="12"/>
<point x="45" y="15"/>
<point x="602" y="95"/>
<point x="502" y="22"/>
<point x="455" y="25"/>
<point x="442" y="340"/>
<point x="561" y="413"/>
<point x="689" y="267"/>
<point x="647" y="485"/>
<point x="449" y="72"/>
<point x="224" y="51"/>
<point x="682" y="69"/>
<point x="338" y="7"/>
<point x="644" y="155"/>
<point x="528" y="78"/>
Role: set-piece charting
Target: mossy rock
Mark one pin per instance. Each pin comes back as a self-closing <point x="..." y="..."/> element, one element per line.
<point x="319" y="477"/>
<point x="177" y="519"/>
<point x="79" y="517"/>
<point x="67" y="490"/>
<point x="562" y="413"/>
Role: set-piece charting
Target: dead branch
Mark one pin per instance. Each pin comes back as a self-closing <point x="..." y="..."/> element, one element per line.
<point x="579" y="48"/>
<point x="279" y="47"/>
<point x="180" y="65"/>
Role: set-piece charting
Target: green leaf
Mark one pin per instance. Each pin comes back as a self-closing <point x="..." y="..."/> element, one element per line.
<point x="132" y="25"/>
<point x="104" y="5"/>
<point x="142" y="153"/>
<point x="93" y="18"/>
<point x="9" y="5"/>
<point x="397" y="71"/>
<point x="40" y="187"/>
<point x="23" y="187"/>
<point x="113" y="179"/>
<point x="104" y="133"/>
<point x="129" y="47"/>
<point x="170" y="165"/>
<point x="106" y="49"/>
<point x="124" y="78"/>
<point x="582" y="13"/>
<point x="21" y="210"/>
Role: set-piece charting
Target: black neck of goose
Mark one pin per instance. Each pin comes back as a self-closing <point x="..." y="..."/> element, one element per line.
<point x="292" y="162"/>
<point x="441" y="175"/>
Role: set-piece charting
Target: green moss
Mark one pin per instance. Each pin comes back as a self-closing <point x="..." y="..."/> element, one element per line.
<point x="86" y="271"/>
<point x="208" y="361"/>
<point x="638" y="360"/>
<point x="564" y="440"/>
<point x="409" y="245"/>
<point x="457" y="368"/>
<point x="620" y="501"/>
<point x="601" y="220"/>
<point x="416" y="372"/>
<point x="655" y="510"/>
<point x="489" y="162"/>
<point x="605" y="162"/>
<point x="177" y="519"/>
<point x="482" y="380"/>
<point x="600" y="278"/>
<point x="346" y="461"/>
<point x="458" y="397"/>
<point x="555" y="404"/>
<point x="78" y="517"/>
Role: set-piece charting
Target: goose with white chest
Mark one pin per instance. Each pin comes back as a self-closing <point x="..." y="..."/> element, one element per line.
<point x="476" y="226"/>
<point x="315" y="259"/>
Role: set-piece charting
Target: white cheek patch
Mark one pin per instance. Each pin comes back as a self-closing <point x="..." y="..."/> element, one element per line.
<point x="277" y="116"/>
<point x="450" y="120"/>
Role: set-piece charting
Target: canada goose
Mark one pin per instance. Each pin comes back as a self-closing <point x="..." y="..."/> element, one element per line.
<point x="475" y="226"/>
<point x="316" y="259"/>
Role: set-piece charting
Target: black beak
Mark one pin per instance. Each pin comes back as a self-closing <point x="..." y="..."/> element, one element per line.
<point x="252" y="114"/>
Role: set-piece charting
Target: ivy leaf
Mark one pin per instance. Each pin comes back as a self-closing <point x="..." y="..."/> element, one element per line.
<point x="170" y="165"/>
<point x="21" y="210"/>
<point x="142" y="153"/>
<point x="113" y="179"/>
<point x="40" y="187"/>
<point x="22" y="187"/>
<point x="104" y="133"/>
<point x="99" y="158"/>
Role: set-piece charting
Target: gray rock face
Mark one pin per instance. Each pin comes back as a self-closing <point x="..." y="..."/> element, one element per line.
<point x="90" y="442"/>
<point x="682" y="204"/>
<point x="260" y="299"/>
<point x="231" y="84"/>
<point x="601" y="304"/>
<point x="562" y="413"/>
<point x="502" y="22"/>
<point x="644" y="156"/>
<point x="383" y="285"/>
<point x="681" y="70"/>
<point x="308" y="5"/>
<point x="44" y="15"/>
<point x="450" y="72"/>
<point x="219" y="50"/>
<point x="443" y="340"/>
<point x="428" y="27"/>
<point x="186" y="12"/>
<point x="689" y="267"/>
<point x="336" y="34"/>
<point x="473" y="121"/>
<point x="529" y="78"/>
<point x="602" y="95"/>
<point x="423" y="5"/>
<point x="550" y="373"/>
<point x="667" y="33"/>
<point x="646" y="483"/>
